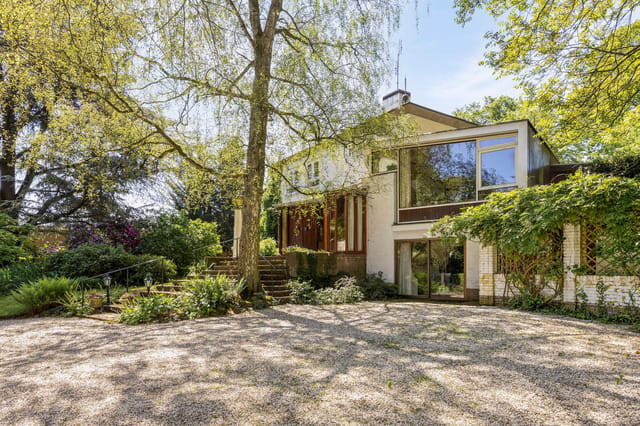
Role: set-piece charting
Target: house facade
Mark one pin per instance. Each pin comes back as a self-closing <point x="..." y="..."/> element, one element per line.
<point x="375" y="206"/>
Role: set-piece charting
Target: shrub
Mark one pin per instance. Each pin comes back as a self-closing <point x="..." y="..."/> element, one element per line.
<point x="154" y="308"/>
<point x="175" y="237"/>
<point x="93" y="259"/>
<point x="344" y="290"/>
<point x="43" y="294"/>
<point x="12" y="240"/>
<point x="74" y="305"/>
<point x="87" y="260"/>
<point x="374" y="287"/>
<point x="162" y="269"/>
<point x="209" y="297"/>
<point x="302" y="292"/>
<point x="12" y="276"/>
<point x="268" y="247"/>
<point x="115" y="233"/>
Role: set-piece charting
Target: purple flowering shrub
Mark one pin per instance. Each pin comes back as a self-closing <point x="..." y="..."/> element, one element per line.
<point x="115" y="233"/>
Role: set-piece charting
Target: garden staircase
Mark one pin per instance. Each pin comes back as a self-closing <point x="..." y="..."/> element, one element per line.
<point x="274" y="273"/>
<point x="273" y="278"/>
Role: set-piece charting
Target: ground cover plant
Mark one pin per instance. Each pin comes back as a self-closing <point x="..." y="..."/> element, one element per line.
<point x="524" y="226"/>
<point x="343" y="290"/>
<point x="202" y="298"/>
<point x="45" y="293"/>
<point x="15" y="274"/>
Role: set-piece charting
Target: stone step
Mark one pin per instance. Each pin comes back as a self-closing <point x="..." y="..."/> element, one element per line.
<point x="114" y="307"/>
<point x="273" y="287"/>
<point x="271" y="283"/>
<point x="167" y="293"/>
<point x="168" y="287"/>
<point x="280" y="293"/>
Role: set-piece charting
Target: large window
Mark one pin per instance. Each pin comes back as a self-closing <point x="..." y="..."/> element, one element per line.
<point x="345" y="219"/>
<point x="456" y="172"/>
<point x="438" y="174"/>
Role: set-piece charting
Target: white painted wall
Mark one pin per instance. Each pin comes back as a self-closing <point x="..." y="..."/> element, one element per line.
<point x="380" y="218"/>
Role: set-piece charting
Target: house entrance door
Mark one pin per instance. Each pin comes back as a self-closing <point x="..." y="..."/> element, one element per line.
<point x="430" y="268"/>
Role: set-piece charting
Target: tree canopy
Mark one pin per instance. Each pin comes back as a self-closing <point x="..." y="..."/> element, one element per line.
<point x="577" y="60"/>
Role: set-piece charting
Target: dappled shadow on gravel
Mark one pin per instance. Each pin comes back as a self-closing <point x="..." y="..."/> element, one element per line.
<point x="368" y="363"/>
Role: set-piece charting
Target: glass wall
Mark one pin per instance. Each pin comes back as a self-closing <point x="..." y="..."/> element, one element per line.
<point x="438" y="174"/>
<point x="456" y="172"/>
<point x="345" y="218"/>
<point x="430" y="268"/>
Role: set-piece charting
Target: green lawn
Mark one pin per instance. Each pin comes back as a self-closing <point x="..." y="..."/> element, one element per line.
<point x="10" y="308"/>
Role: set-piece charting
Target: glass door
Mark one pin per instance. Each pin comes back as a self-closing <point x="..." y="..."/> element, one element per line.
<point x="446" y="270"/>
<point x="430" y="268"/>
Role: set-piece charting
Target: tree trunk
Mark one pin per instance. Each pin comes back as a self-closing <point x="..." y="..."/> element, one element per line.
<point x="256" y="149"/>
<point x="8" y="138"/>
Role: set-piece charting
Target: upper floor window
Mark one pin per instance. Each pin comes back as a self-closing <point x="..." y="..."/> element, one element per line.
<point x="313" y="174"/>
<point x="294" y="179"/>
<point x="383" y="161"/>
<point x="456" y="172"/>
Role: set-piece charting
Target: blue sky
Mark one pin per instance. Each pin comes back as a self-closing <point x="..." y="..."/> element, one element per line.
<point x="440" y="58"/>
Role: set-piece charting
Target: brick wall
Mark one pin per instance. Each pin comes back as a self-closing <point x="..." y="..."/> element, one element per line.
<point x="492" y="285"/>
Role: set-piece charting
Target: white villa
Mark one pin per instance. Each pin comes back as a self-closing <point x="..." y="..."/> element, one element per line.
<point x="378" y="205"/>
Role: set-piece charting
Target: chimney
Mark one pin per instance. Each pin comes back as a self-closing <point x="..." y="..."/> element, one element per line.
<point x="395" y="99"/>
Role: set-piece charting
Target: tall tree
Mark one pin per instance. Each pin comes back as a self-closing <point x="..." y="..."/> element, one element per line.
<point x="64" y="152"/>
<point x="578" y="60"/>
<point x="491" y="110"/>
<point x="280" y="74"/>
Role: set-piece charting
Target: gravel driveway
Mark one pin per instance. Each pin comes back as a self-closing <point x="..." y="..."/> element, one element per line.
<point x="370" y="363"/>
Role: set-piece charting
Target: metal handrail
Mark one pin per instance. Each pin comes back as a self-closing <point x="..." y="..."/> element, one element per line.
<point x="82" y="280"/>
<point x="228" y="241"/>
<point x="214" y="244"/>
<point x="123" y="269"/>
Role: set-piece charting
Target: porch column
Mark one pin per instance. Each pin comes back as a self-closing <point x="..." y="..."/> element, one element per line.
<point x="237" y="231"/>
<point x="570" y="259"/>
<point x="487" y="277"/>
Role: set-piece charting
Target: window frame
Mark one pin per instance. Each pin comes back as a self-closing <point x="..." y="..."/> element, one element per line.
<point x="493" y="148"/>
<point x="479" y="151"/>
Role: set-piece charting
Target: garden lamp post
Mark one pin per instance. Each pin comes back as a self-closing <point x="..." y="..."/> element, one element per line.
<point x="107" y="284"/>
<point x="148" y="280"/>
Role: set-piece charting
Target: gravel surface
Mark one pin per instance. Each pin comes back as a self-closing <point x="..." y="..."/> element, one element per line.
<point x="370" y="363"/>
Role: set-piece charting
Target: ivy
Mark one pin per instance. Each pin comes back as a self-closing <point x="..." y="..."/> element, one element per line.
<point x="524" y="223"/>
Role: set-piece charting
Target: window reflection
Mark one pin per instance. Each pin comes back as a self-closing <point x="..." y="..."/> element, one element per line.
<point x="498" y="167"/>
<point x="440" y="174"/>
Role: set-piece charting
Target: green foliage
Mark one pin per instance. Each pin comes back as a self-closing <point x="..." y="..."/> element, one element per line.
<point x="268" y="247"/>
<point x="10" y="308"/>
<point x="524" y="225"/>
<point x="160" y="270"/>
<point x="344" y="290"/>
<point x="16" y="274"/>
<point x="74" y="305"/>
<point x="176" y="236"/>
<point x="43" y="294"/>
<point x="577" y="60"/>
<point x="492" y="110"/>
<point x="209" y="297"/>
<point x="93" y="259"/>
<point x="12" y="240"/>
<point x="302" y="292"/>
<point x="624" y="166"/>
<point x="525" y="220"/>
<point x="601" y="304"/>
<point x="526" y="301"/>
<point x="154" y="308"/>
<point x="203" y="298"/>
<point x="270" y="215"/>
<point x="87" y="260"/>
<point x="374" y="287"/>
